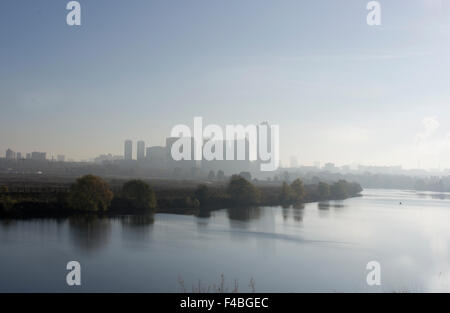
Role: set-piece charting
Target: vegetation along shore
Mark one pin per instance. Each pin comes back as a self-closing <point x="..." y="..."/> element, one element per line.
<point x="93" y="194"/>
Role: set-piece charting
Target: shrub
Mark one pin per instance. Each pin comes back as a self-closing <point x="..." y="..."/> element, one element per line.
<point x="298" y="190"/>
<point x="286" y="194"/>
<point x="90" y="193"/>
<point x="202" y="194"/>
<point x="323" y="190"/>
<point x="140" y="194"/>
<point x="242" y="191"/>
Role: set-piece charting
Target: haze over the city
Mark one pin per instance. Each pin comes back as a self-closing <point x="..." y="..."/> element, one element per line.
<point x="340" y="90"/>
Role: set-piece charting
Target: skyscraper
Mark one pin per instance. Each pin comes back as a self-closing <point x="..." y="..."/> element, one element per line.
<point x="39" y="156"/>
<point x="141" y="150"/>
<point x="10" y="155"/>
<point x="128" y="153"/>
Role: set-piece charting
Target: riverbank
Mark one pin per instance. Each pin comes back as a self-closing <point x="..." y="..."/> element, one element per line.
<point x="54" y="199"/>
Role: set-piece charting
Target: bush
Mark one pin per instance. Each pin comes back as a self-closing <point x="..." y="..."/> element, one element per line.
<point x="242" y="191"/>
<point x="90" y="193"/>
<point x="323" y="190"/>
<point x="140" y="194"/>
<point x="298" y="190"/>
<point x="286" y="194"/>
<point x="202" y="194"/>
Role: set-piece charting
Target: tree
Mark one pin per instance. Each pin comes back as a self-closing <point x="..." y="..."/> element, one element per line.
<point x="323" y="189"/>
<point x="246" y="175"/>
<point x="140" y="193"/>
<point x="339" y="190"/>
<point x="4" y="189"/>
<point x="90" y="193"/>
<point x="202" y="193"/>
<point x="285" y="194"/>
<point x="298" y="190"/>
<point x="6" y="203"/>
<point x="242" y="191"/>
<point x="211" y="175"/>
<point x="355" y="189"/>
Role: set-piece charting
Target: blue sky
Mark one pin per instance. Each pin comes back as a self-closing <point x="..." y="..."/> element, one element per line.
<point x="340" y="90"/>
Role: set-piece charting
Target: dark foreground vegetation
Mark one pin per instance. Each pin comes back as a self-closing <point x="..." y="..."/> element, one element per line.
<point x="92" y="194"/>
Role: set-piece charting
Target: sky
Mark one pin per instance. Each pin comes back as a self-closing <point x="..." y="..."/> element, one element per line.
<point x="341" y="91"/>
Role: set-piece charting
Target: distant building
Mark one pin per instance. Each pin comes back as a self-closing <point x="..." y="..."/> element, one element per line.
<point x="128" y="153"/>
<point x="61" y="158"/>
<point x="19" y="156"/>
<point x="141" y="150"/>
<point x="10" y="155"/>
<point x="38" y="156"/>
<point x="108" y="158"/>
<point x="28" y="156"/>
<point x="330" y="167"/>
<point x="156" y="156"/>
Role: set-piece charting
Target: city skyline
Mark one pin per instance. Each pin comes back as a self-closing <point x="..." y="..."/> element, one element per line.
<point x="341" y="91"/>
<point x="160" y="153"/>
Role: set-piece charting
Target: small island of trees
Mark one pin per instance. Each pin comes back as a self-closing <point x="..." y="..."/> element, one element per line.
<point x="94" y="195"/>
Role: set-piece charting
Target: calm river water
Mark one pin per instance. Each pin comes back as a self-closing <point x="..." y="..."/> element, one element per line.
<point x="322" y="247"/>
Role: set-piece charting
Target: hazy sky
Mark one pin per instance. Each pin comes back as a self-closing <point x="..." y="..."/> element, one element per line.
<point x="340" y="90"/>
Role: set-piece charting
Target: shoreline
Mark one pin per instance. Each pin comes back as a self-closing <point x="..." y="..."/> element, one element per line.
<point x="187" y="198"/>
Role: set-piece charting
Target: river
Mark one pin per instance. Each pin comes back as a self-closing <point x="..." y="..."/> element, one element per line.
<point x="320" y="247"/>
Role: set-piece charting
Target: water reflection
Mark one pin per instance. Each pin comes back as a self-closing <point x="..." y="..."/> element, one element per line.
<point x="300" y="251"/>
<point x="203" y="213"/>
<point x="89" y="232"/>
<point x="240" y="215"/>
<point x="137" y="228"/>
<point x="298" y="212"/>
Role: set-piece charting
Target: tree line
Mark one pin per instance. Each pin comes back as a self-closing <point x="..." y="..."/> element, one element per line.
<point x="93" y="194"/>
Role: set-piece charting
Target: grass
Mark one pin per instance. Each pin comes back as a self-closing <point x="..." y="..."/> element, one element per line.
<point x="220" y="287"/>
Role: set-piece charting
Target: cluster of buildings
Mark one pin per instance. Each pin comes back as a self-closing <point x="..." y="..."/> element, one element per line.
<point x="160" y="157"/>
<point x="36" y="156"/>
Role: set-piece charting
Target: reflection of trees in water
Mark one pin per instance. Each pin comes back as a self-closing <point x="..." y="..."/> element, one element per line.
<point x="89" y="232"/>
<point x="324" y="209"/>
<point x="244" y="214"/>
<point x="325" y="206"/>
<point x="8" y="222"/>
<point x="203" y="213"/>
<point x="297" y="212"/>
<point x="285" y="213"/>
<point x="137" y="227"/>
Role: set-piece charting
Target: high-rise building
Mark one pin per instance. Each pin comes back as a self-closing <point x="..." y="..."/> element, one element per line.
<point x="19" y="156"/>
<point x="141" y="150"/>
<point x="61" y="158"/>
<point x="40" y="156"/>
<point x="128" y="153"/>
<point x="156" y="156"/>
<point x="10" y="155"/>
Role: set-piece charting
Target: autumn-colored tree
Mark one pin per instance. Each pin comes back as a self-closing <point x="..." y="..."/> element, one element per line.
<point x="90" y="193"/>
